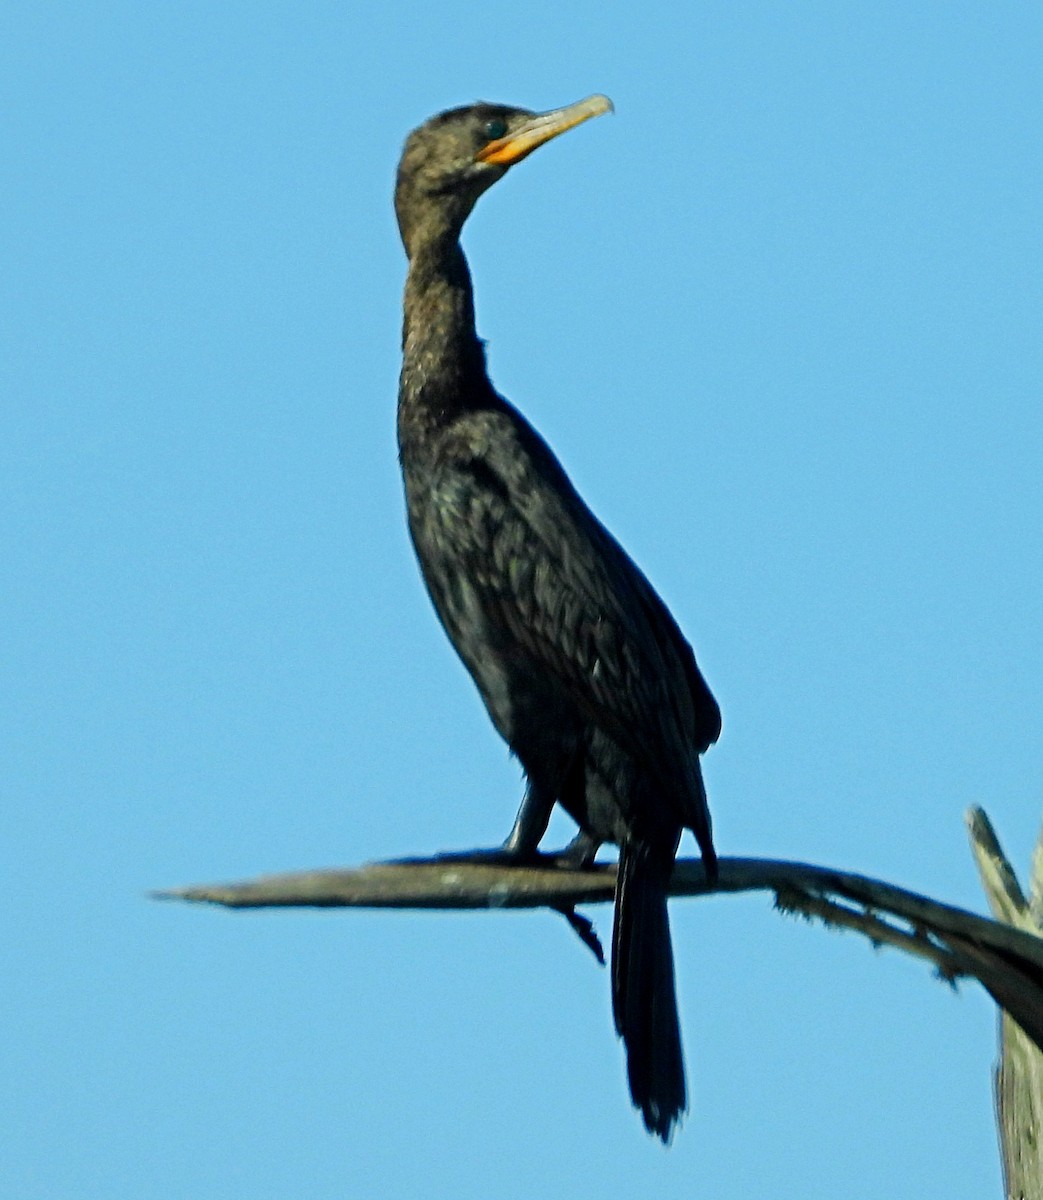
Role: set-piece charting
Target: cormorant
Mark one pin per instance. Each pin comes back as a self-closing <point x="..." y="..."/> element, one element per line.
<point x="583" y="670"/>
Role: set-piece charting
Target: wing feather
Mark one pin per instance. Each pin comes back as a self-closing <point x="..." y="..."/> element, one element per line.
<point x="562" y="591"/>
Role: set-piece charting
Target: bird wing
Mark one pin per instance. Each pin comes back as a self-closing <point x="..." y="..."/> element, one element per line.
<point x="547" y="575"/>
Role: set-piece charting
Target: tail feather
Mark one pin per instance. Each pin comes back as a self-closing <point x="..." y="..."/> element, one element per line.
<point x="644" y="1003"/>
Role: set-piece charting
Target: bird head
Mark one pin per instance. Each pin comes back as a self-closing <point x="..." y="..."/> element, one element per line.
<point x="455" y="156"/>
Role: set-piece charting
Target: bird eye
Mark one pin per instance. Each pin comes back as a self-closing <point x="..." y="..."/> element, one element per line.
<point x="495" y="129"/>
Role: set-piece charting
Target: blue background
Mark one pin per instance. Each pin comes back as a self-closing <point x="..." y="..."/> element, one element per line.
<point x="780" y="317"/>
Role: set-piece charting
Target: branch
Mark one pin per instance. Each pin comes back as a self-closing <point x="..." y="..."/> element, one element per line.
<point x="1008" y="962"/>
<point x="1018" y="1079"/>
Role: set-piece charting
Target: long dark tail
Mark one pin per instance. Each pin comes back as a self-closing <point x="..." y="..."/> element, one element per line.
<point x="643" y="999"/>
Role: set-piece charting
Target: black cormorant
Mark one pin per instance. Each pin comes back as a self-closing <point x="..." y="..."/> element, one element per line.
<point x="583" y="670"/>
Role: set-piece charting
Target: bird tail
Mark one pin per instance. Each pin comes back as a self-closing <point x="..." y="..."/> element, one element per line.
<point x="643" y="1000"/>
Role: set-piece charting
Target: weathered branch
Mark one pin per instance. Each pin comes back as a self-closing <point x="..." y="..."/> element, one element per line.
<point x="1018" y="1078"/>
<point x="1007" y="961"/>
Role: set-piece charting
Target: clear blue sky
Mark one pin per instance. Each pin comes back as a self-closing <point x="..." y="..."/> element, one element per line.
<point x="781" y="318"/>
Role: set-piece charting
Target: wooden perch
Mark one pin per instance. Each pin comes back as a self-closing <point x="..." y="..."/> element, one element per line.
<point x="1005" y="955"/>
<point x="1007" y="961"/>
<point x="1018" y="1078"/>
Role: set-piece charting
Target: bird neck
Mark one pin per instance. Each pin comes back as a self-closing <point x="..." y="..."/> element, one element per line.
<point x="443" y="361"/>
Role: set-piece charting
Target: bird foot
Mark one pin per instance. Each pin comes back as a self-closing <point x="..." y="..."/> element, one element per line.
<point x="576" y="856"/>
<point x="496" y="856"/>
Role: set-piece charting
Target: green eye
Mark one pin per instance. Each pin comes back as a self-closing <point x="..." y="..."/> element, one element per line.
<point x="495" y="129"/>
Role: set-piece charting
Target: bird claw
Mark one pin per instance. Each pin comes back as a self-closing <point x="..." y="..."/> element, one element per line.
<point x="496" y="856"/>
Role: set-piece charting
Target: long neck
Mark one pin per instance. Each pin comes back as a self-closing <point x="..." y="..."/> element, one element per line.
<point x="443" y="362"/>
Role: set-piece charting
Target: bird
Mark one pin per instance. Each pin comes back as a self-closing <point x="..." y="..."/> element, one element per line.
<point x="583" y="671"/>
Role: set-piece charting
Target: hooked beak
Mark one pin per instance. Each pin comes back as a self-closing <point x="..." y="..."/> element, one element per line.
<point x="521" y="142"/>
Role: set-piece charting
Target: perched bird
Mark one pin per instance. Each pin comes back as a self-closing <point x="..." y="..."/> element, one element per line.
<point x="584" y="672"/>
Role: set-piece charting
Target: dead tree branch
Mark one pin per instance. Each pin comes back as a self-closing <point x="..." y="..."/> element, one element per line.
<point x="1007" y="961"/>
<point x="1018" y="1078"/>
